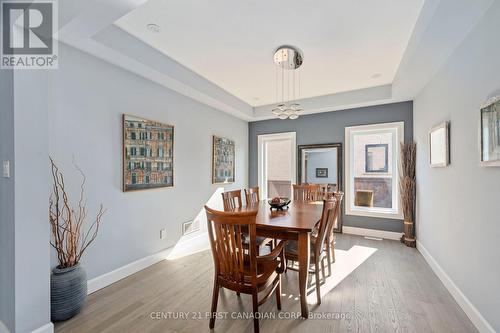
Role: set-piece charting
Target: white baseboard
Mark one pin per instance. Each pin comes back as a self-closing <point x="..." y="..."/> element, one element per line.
<point x="372" y="233"/>
<point x="47" y="328"/>
<point x="189" y="244"/>
<point x="120" y="273"/>
<point x="470" y="310"/>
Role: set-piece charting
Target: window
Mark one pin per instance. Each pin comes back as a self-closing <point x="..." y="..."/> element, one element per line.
<point x="372" y="158"/>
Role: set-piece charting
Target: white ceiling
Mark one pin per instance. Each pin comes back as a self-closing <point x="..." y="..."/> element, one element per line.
<point x="231" y="43"/>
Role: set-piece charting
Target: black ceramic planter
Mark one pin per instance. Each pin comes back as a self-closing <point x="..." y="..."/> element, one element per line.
<point x="68" y="290"/>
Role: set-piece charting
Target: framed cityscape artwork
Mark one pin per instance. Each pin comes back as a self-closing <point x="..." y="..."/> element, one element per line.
<point x="490" y="133"/>
<point x="148" y="154"/>
<point x="223" y="160"/>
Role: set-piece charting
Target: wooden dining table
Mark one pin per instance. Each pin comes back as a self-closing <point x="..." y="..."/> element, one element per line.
<point x="295" y="223"/>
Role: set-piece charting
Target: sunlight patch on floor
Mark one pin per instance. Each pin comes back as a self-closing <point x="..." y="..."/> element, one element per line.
<point x="194" y="245"/>
<point x="345" y="263"/>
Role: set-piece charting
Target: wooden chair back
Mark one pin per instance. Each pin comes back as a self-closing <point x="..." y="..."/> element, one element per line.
<point x="252" y="195"/>
<point x="306" y="192"/>
<point x="338" y="202"/>
<point x="231" y="199"/>
<point x="224" y="231"/>
<point x="322" y="191"/>
<point x="327" y="219"/>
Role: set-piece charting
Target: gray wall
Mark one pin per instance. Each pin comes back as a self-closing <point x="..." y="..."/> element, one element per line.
<point x="24" y="231"/>
<point x="330" y="128"/>
<point x="458" y="218"/>
<point x="32" y="259"/>
<point x="7" y="201"/>
<point x="88" y="97"/>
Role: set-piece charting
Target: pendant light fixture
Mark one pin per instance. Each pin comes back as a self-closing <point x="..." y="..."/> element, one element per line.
<point x="288" y="60"/>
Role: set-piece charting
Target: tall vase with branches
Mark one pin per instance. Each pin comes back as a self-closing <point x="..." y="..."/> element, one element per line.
<point x="70" y="239"/>
<point x="407" y="184"/>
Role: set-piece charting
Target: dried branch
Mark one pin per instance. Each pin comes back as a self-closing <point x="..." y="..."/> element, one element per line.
<point x="407" y="181"/>
<point x="67" y="224"/>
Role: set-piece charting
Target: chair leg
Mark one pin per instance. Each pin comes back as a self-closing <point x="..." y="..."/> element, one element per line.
<point x="316" y="274"/>
<point x="278" y="293"/>
<point x="215" y="298"/>
<point x="332" y="250"/>
<point x="255" y="302"/>
<point x="329" y="261"/>
<point x="323" y="270"/>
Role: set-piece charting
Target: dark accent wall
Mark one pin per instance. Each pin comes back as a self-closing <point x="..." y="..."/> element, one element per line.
<point x="329" y="127"/>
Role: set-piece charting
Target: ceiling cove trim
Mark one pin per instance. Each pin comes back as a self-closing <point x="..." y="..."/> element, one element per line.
<point x="334" y="102"/>
<point x="440" y="29"/>
<point x="98" y="36"/>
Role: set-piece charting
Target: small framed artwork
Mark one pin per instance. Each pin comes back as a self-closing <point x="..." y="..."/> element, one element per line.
<point x="490" y="133"/>
<point x="377" y="158"/>
<point x="148" y="154"/>
<point x="223" y="160"/>
<point x="439" y="145"/>
<point x="321" y="172"/>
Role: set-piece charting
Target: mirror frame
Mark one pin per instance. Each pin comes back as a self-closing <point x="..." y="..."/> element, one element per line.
<point x="340" y="178"/>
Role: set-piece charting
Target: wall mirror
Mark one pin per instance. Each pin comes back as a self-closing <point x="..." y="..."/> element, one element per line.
<point x="322" y="164"/>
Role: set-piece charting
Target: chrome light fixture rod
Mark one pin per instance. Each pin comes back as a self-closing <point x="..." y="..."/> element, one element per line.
<point x="288" y="60"/>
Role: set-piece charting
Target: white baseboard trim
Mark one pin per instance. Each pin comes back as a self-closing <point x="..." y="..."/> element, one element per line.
<point x="47" y="328"/>
<point x="470" y="310"/>
<point x="188" y="244"/>
<point x="372" y="233"/>
<point x="120" y="273"/>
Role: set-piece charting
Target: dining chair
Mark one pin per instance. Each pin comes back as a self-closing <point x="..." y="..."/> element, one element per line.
<point x="252" y="195"/>
<point x="322" y="191"/>
<point x="235" y="269"/>
<point x="330" y="239"/>
<point x="305" y="192"/>
<point x="232" y="200"/>
<point x="318" y="251"/>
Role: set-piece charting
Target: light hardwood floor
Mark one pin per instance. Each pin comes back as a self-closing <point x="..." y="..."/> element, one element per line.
<point x="394" y="290"/>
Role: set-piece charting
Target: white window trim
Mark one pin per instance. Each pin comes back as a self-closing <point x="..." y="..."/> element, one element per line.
<point x="261" y="157"/>
<point x="373" y="212"/>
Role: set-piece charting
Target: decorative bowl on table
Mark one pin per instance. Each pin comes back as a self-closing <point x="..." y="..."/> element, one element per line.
<point x="279" y="203"/>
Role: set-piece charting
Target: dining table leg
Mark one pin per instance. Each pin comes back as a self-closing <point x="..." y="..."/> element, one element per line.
<point x="303" y="271"/>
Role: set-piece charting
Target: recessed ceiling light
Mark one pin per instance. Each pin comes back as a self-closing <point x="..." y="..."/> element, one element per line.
<point x="153" y="27"/>
<point x="376" y="75"/>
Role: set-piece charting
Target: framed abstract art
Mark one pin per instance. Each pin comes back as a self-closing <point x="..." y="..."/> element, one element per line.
<point x="439" y="145"/>
<point x="490" y="133"/>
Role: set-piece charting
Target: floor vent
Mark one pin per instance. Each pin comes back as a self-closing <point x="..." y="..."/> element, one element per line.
<point x="373" y="238"/>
